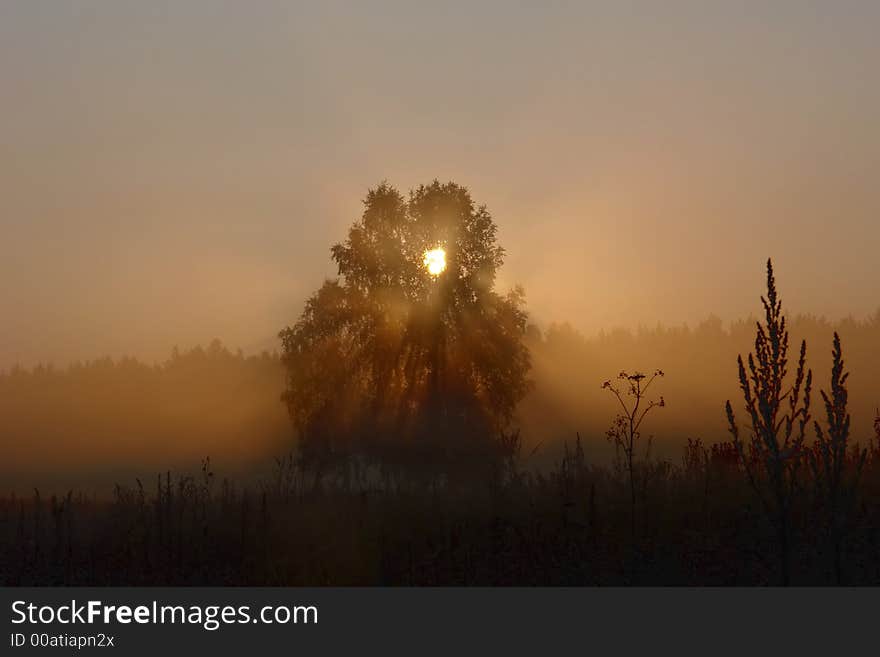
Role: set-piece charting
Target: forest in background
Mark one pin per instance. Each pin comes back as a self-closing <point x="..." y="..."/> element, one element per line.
<point x="92" y="424"/>
<point x="89" y="425"/>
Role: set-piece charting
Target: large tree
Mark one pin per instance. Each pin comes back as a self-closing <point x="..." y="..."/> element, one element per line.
<point x="410" y="356"/>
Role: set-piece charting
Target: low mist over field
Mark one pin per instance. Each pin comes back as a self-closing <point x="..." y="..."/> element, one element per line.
<point x="336" y="293"/>
<point x="92" y="424"/>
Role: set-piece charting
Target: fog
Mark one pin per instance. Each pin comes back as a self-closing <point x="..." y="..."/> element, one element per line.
<point x="98" y="423"/>
<point x="171" y="173"/>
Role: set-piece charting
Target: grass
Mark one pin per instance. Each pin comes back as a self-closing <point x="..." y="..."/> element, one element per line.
<point x="767" y="507"/>
<point x="700" y="525"/>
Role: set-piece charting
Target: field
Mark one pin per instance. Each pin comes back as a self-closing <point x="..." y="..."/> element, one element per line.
<point x="696" y="523"/>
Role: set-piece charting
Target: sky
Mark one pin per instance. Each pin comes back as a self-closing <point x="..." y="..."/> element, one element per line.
<point x="171" y="172"/>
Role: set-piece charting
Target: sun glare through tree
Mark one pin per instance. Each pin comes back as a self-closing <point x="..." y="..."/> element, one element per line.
<point x="435" y="261"/>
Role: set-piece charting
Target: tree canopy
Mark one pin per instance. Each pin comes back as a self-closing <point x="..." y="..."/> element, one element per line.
<point x="393" y="357"/>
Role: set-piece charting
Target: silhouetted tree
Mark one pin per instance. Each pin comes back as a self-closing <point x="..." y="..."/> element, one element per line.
<point x="778" y="412"/>
<point x="402" y="363"/>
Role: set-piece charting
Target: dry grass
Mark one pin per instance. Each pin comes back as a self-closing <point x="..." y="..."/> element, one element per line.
<point x="569" y="527"/>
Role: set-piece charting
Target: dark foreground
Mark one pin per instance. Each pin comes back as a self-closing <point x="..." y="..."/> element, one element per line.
<point x="697" y="523"/>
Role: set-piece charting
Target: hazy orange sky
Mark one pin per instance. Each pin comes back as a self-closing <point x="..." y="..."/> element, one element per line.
<point x="175" y="171"/>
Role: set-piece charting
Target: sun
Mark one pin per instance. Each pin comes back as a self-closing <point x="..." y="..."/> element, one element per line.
<point x="435" y="261"/>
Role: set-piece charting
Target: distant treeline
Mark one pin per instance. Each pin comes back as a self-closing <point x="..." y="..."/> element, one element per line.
<point x="92" y="423"/>
<point x="100" y="421"/>
<point x="701" y="373"/>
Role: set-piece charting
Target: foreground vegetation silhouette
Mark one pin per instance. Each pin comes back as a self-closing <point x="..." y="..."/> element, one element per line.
<point x="402" y="379"/>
